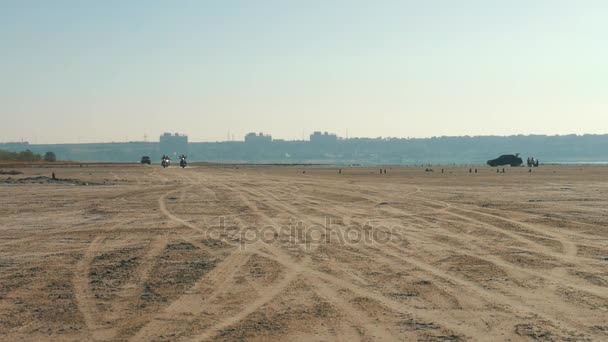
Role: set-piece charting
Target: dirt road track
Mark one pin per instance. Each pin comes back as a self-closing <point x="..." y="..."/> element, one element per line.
<point x="271" y="253"/>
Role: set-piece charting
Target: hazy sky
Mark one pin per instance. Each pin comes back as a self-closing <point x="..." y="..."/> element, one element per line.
<point x="88" y="71"/>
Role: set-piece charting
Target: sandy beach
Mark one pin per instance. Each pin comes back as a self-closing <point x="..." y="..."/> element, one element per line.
<point x="225" y="253"/>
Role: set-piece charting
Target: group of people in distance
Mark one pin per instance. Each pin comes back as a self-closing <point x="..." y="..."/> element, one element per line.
<point x="532" y="162"/>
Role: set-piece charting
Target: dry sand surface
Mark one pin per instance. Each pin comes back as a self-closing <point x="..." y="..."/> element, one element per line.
<point x="141" y="253"/>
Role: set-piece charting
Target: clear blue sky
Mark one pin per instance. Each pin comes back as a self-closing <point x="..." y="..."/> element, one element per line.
<point x="88" y="71"/>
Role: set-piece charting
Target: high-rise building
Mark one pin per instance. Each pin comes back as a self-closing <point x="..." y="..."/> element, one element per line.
<point x="318" y="137"/>
<point x="173" y="144"/>
<point x="257" y="138"/>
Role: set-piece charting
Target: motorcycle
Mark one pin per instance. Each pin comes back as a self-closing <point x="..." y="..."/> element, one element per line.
<point x="166" y="162"/>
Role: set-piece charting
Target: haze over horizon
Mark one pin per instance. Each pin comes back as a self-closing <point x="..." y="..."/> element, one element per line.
<point x="76" y="71"/>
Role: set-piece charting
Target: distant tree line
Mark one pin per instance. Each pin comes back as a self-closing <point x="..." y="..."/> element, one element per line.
<point x="27" y="156"/>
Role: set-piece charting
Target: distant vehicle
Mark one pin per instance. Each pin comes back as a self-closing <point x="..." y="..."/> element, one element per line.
<point x="182" y="161"/>
<point x="506" y="159"/>
<point x="146" y="160"/>
<point x="166" y="161"/>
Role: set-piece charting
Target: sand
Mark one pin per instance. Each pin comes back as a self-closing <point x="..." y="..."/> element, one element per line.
<point x="141" y="253"/>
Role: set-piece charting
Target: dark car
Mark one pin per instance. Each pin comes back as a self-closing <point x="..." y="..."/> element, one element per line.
<point x="506" y="159"/>
<point x="146" y="160"/>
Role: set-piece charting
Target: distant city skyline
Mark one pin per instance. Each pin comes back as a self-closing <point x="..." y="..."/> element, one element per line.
<point x="234" y="137"/>
<point x="329" y="149"/>
<point x="101" y="71"/>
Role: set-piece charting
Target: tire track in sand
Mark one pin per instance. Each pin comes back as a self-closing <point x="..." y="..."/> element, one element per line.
<point x="134" y="289"/>
<point x="471" y="287"/>
<point x="315" y="278"/>
<point x="192" y="303"/>
<point x="84" y="296"/>
<point x="515" y="303"/>
<point x="573" y="283"/>
<point x="354" y="316"/>
<point x="205" y="289"/>
<point x="270" y="293"/>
